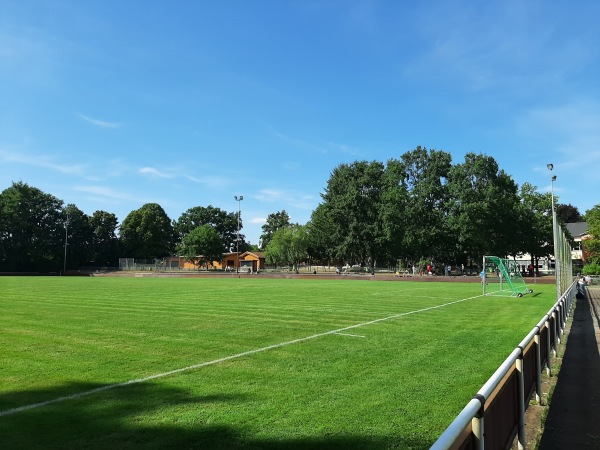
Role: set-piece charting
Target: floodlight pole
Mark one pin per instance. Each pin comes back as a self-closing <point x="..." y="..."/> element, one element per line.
<point x="237" y="241"/>
<point x="557" y="270"/>
<point x="66" y="243"/>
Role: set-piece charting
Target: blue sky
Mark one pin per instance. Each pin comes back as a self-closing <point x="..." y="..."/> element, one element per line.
<point x="113" y="104"/>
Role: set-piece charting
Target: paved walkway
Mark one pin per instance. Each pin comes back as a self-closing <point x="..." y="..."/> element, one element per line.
<point x="573" y="420"/>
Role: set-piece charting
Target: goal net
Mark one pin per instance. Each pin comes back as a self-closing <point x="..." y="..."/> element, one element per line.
<point x="502" y="277"/>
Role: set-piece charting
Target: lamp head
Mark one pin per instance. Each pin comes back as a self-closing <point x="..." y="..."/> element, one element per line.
<point x="550" y="166"/>
<point x="554" y="178"/>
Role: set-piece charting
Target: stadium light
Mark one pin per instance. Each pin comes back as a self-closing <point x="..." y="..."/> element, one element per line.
<point x="555" y="234"/>
<point x="66" y="225"/>
<point x="237" y="241"/>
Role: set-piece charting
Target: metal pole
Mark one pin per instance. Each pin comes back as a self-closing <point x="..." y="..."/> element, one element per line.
<point x="237" y="241"/>
<point x="66" y="243"/>
<point x="557" y="270"/>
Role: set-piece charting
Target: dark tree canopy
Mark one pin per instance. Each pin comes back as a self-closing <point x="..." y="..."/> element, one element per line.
<point x="105" y="244"/>
<point x="31" y="230"/>
<point x="224" y="223"/>
<point x="568" y="213"/>
<point x="147" y="233"/>
<point x="484" y="214"/>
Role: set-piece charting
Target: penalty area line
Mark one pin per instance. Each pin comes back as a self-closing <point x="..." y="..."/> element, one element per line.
<point x="78" y="395"/>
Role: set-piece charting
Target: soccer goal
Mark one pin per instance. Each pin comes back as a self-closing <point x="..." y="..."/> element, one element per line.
<point x="502" y="277"/>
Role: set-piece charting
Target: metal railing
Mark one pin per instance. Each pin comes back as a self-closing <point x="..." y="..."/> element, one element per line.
<point x="496" y="414"/>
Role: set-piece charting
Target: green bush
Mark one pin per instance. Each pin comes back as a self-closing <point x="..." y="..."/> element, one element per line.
<point x="591" y="269"/>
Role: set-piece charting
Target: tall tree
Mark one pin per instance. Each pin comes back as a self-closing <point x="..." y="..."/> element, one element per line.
<point x="147" y="233"/>
<point x="423" y="191"/>
<point x="288" y="246"/>
<point x="484" y="212"/>
<point x="31" y="229"/>
<point x="568" y="213"/>
<point x="224" y="223"/>
<point x="536" y="229"/>
<point x="321" y="246"/>
<point x="202" y="245"/>
<point x="105" y="244"/>
<point x="80" y="237"/>
<point x="353" y="199"/>
<point x="274" y="222"/>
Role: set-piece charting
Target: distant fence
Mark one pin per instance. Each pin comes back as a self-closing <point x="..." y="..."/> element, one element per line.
<point x="496" y="414"/>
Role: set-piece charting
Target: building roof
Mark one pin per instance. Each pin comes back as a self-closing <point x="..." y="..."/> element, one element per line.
<point x="577" y="229"/>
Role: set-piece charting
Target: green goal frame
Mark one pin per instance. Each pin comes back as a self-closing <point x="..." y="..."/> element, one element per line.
<point x="502" y="277"/>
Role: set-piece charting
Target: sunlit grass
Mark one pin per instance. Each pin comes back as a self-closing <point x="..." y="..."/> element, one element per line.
<point x="394" y="383"/>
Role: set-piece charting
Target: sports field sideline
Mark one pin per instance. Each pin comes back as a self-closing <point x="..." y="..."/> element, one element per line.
<point x="246" y="362"/>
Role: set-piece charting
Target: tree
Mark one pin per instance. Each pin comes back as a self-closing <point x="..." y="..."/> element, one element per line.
<point x="80" y="237"/>
<point x="105" y="244"/>
<point x="484" y="210"/>
<point x="321" y="245"/>
<point x="31" y="230"/>
<point x="226" y="224"/>
<point x="202" y="245"/>
<point x="421" y="178"/>
<point x="353" y="206"/>
<point x="536" y="229"/>
<point x="288" y="246"/>
<point x="147" y="233"/>
<point x="592" y="245"/>
<point x="274" y="222"/>
<point x="568" y="213"/>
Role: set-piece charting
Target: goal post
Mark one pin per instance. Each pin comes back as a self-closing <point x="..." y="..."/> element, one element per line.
<point x="502" y="277"/>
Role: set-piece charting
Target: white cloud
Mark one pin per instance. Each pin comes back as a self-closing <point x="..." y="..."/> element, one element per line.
<point x="155" y="172"/>
<point x="286" y="198"/>
<point x="258" y="220"/>
<point x="105" y="192"/>
<point x="100" y="123"/>
<point x="41" y="161"/>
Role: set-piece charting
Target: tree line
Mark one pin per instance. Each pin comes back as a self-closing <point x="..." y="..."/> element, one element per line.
<point x="38" y="232"/>
<point x="420" y="207"/>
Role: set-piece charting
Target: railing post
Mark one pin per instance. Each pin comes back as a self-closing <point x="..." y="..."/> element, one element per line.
<point x="521" y="400"/>
<point x="538" y="368"/>
<point x="548" y="350"/>
<point x="555" y="326"/>
<point x="477" y="428"/>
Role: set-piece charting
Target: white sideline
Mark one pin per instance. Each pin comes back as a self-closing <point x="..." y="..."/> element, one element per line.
<point x="9" y="412"/>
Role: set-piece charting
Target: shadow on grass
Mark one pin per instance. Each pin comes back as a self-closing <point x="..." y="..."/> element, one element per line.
<point x="115" y="419"/>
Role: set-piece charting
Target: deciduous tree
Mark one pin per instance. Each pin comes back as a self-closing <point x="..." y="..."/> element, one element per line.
<point x="202" y="245"/>
<point x="31" y="229"/>
<point x="274" y="222"/>
<point x="147" y="233"/>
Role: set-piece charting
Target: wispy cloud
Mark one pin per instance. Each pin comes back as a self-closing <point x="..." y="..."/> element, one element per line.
<point x="174" y="173"/>
<point x="99" y="123"/>
<point x="573" y="129"/>
<point x="258" y="220"/>
<point x="41" y="161"/>
<point x="151" y="171"/>
<point x="105" y="192"/>
<point x="286" y="198"/>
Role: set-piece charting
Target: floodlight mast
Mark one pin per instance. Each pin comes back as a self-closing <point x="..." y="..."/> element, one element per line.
<point x="66" y="224"/>
<point x="237" y="241"/>
<point x="557" y="273"/>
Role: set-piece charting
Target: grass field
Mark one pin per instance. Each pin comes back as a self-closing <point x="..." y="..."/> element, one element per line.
<point x="276" y="373"/>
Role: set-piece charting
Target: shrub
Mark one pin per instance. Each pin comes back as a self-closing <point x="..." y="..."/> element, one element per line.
<point x="591" y="269"/>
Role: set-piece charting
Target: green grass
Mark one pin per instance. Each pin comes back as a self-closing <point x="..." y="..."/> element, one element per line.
<point x="397" y="386"/>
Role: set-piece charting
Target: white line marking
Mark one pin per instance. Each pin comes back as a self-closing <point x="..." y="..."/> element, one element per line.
<point x="351" y="335"/>
<point x="9" y="412"/>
